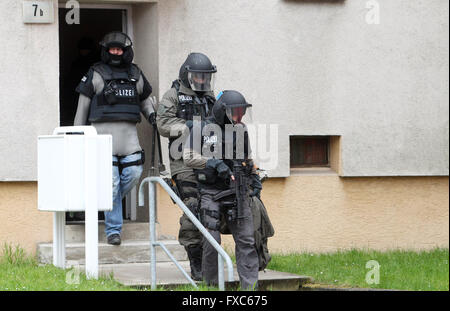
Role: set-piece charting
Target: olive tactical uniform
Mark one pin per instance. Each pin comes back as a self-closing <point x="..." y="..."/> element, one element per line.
<point x="180" y="105"/>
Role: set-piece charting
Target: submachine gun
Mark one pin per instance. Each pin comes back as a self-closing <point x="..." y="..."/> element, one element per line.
<point x="233" y="200"/>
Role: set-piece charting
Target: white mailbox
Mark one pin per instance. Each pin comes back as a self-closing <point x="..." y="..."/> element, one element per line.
<point x="74" y="170"/>
<point x="75" y="174"/>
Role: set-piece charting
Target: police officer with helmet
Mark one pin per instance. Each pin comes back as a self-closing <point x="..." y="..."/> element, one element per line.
<point x="220" y="155"/>
<point x="190" y="96"/>
<point x="112" y="96"/>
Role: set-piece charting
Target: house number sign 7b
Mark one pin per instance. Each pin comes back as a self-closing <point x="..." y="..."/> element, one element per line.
<point x="39" y="11"/>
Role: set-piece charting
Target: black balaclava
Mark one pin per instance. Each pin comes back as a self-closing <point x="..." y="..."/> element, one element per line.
<point x="117" y="39"/>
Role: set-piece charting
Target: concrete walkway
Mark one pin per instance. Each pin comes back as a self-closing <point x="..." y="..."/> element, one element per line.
<point x="167" y="274"/>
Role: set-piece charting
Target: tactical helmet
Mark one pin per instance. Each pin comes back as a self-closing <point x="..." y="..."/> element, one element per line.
<point x="117" y="39"/>
<point x="230" y="107"/>
<point x="197" y="73"/>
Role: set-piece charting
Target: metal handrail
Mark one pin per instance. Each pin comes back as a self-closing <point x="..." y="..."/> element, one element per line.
<point x="153" y="241"/>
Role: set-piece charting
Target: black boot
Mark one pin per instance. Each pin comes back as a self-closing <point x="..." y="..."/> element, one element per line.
<point x="114" y="239"/>
<point x="195" y="253"/>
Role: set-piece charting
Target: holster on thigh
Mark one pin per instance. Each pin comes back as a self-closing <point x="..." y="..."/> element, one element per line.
<point x="210" y="219"/>
<point x="186" y="189"/>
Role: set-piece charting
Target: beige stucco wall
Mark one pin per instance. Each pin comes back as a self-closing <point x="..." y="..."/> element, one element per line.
<point x="21" y="222"/>
<point x="309" y="213"/>
<point x="327" y="213"/>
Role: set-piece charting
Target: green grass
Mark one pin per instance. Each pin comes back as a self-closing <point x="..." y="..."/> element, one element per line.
<point x="402" y="270"/>
<point x="21" y="272"/>
<point x="405" y="270"/>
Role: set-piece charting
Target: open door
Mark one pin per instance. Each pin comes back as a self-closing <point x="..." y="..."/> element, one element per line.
<point x="79" y="49"/>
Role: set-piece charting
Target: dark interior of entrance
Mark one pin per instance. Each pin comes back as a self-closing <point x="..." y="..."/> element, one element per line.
<point x="79" y="49"/>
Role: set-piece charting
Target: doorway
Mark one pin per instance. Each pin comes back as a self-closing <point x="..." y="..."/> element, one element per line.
<point x="79" y="50"/>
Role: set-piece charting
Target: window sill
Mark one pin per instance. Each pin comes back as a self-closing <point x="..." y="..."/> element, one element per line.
<point x="312" y="171"/>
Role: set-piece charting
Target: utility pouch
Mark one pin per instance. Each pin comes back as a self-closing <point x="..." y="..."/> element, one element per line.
<point x="110" y="93"/>
<point x="227" y="203"/>
<point x="206" y="176"/>
<point x="229" y="209"/>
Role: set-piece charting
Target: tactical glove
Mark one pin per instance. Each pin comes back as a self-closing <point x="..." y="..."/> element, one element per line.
<point x="223" y="171"/>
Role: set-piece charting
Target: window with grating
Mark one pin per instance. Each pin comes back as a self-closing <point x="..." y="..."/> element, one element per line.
<point x="309" y="151"/>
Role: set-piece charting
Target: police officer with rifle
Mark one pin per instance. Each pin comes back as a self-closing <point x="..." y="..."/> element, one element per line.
<point x="219" y="152"/>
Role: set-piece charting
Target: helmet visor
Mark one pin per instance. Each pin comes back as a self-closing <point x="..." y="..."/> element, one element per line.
<point x="118" y="39"/>
<point x="239" y="114"/>
<point x="201" y="81"/>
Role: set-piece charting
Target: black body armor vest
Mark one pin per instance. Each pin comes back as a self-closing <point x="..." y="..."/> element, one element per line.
<point x="190" y="106"/>
<point x="119" y="100"/>
<point x="232" y="156"/>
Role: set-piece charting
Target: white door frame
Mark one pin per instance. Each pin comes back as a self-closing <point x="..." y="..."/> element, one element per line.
<point x="127" y="27"/>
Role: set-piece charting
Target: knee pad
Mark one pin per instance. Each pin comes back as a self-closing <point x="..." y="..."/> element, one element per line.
<point x="192" y="204"/>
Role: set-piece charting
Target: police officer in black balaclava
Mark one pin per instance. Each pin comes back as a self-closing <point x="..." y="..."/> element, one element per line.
<point x="113" y="94"/>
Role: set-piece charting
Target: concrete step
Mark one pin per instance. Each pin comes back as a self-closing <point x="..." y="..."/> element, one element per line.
<point x="130" y="251"/>
<point x="130" y="231"/>
<point x="167" y="274"/>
